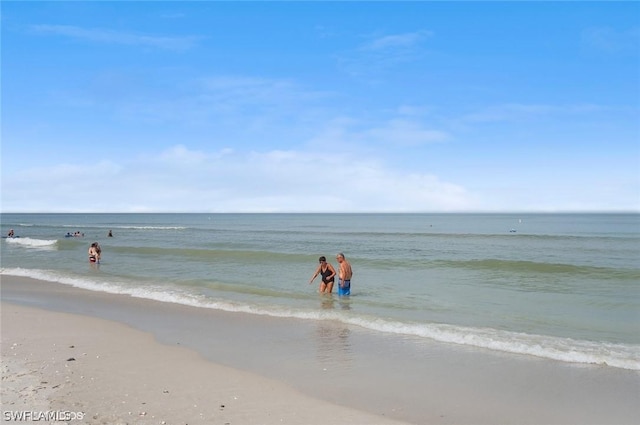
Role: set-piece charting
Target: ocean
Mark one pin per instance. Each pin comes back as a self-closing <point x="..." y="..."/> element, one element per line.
<point x="564" y="287"/>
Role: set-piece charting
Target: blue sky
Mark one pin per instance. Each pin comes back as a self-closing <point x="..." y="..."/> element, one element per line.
<point x="320" y="106"/>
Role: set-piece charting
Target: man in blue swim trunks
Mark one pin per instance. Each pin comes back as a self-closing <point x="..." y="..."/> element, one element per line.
<point x="344" y="275"/>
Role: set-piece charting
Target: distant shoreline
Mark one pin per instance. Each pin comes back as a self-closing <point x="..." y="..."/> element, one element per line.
<point x="595" y="212"/>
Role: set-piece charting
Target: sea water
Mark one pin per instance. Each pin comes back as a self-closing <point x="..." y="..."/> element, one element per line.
<point x="557" y="286"/>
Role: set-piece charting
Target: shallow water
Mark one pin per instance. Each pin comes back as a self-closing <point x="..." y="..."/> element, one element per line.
<point x="557" y="286"/>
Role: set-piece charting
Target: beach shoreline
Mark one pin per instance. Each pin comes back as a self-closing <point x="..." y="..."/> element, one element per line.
<point x="94" y="371"/>
<point x="323" y="370"/>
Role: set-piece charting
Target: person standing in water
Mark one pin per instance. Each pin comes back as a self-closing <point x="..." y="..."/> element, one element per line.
<point x="328" y="274"/>
<point x="94" y="253"/>
<point x="344" y="275"/>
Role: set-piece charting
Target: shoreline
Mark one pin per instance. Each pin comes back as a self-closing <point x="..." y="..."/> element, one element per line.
<point x="99" y="372"/>
<point x="339" y="367"/>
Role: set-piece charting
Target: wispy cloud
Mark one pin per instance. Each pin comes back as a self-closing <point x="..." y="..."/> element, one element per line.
<point x="519" y="112"/>
<point x="236" y="103"/>
<point x="101" y="35"/>
<point x="378" y="136"/>
<point x="405" y="132"/>
<point x="250" y="90"/>
<point x="380" y="53"/>
<point x="397" y="41"/>
<point x="610" y="40"/>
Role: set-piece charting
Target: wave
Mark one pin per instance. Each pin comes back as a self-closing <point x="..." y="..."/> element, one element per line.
<point x="148" y="227"/>
<point x="624" y="356"/>
<point x="207" y="253"/>
<point x="507" y="234"/>
<point x="487" y="265"/>
<point x="569" y="350"/>
<point x="33" y="243"/>
<point x="128" y="227"/>
<point x="100" y="226"/>
<point x="520" y="266"/>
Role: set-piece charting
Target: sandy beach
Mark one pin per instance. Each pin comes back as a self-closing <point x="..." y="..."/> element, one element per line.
<point x="98" y="372"/>
<point x="118" y="359"/>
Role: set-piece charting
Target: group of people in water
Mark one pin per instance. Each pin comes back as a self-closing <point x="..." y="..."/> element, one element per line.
<point x="77" y="234"/>
<point x="328" y="273"/>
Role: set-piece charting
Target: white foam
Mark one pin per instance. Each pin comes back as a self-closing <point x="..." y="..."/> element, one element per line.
<point x="624" y="356"/>
<point x="75" y="226"/>
<point x="33" y="243"/>
<point x="152" y="227"/>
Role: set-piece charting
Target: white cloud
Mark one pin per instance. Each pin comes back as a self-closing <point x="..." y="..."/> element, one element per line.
<point x="109" y="36"/>
<point x="180" y="154"/>
<point x="179" y="179"/>
<point x="395" y="41"/>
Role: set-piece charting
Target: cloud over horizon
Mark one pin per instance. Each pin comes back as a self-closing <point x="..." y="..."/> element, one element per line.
<point x="228" y="181"/>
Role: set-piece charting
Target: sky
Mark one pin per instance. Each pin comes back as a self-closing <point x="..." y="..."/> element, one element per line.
<point x="320" y="106"/>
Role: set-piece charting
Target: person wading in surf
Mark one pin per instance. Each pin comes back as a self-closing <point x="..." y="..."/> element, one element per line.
<point x="344" y="276"/>
<point x="328" y="274"/>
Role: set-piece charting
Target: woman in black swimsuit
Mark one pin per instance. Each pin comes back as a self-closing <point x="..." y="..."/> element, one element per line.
<point x="328" y="273"/>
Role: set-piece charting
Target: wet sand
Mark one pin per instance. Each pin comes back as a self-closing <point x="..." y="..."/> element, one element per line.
<point x="94" y="371"/>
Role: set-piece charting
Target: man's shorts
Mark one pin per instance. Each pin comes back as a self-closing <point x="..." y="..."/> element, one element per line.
<point x="344" y="287"/>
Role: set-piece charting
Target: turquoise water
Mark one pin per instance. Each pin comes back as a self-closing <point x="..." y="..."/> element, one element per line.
<point x="557" y="286"/>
